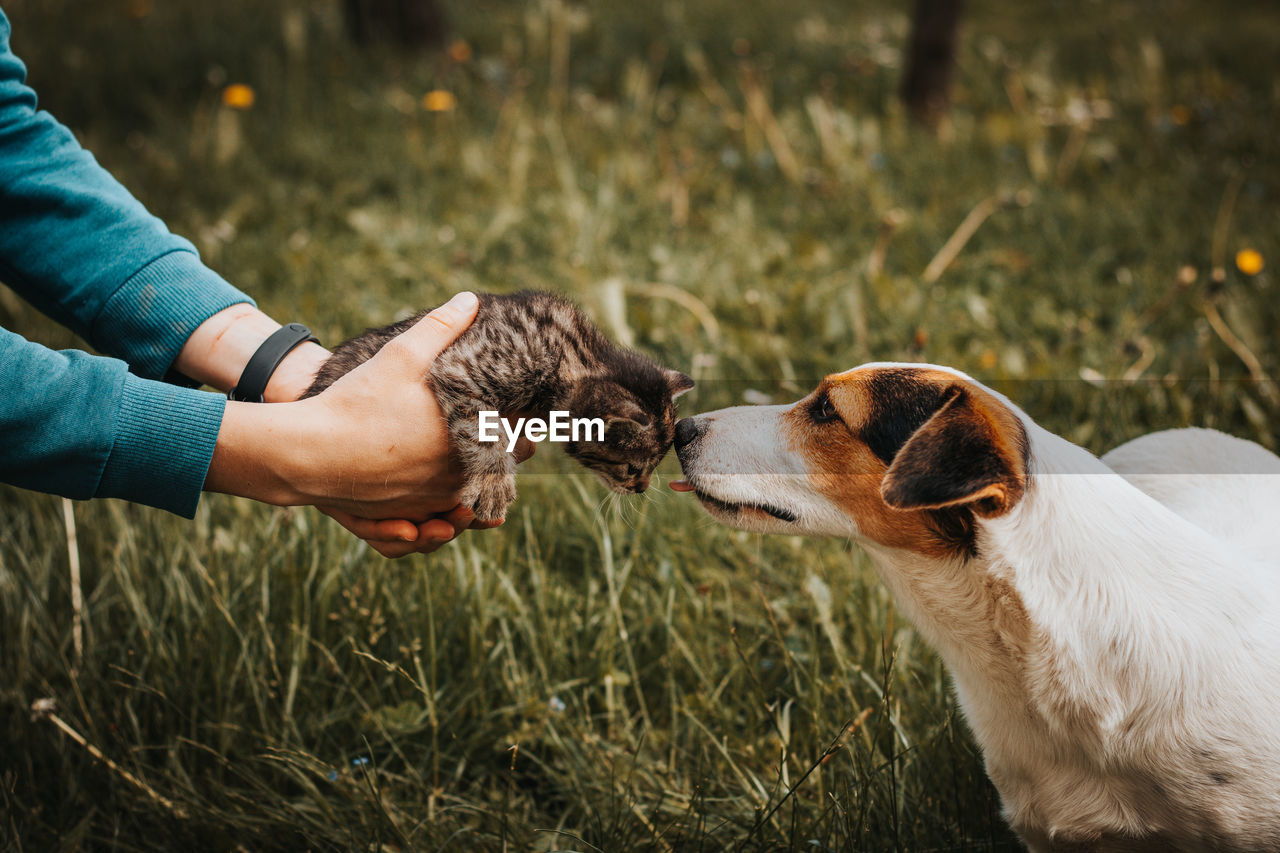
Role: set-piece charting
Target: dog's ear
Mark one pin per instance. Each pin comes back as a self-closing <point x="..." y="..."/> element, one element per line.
<point x="971" y="452"/>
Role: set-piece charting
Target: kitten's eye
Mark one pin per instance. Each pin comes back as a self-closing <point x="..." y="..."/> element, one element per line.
<point x="632" y="470"/>
<point x="822" y="411"/>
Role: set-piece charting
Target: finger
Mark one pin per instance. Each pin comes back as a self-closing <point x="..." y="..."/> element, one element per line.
<point x="460" y="517"/>
<point x="426" y="537"/>
<point x="394" y="531"/>
<point x="382" y="529"/>
<point x="432" y="534"/>
<point x="395" y="550"/>
<point x="439" y="530"/>
<point x="430" y="335"/>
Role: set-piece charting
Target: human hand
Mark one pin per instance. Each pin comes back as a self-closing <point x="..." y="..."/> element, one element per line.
<point x="372" y="446"/>
<point x="268" y="470"/>
<point x="398" y="537"/>
<point x="394" y="538"/>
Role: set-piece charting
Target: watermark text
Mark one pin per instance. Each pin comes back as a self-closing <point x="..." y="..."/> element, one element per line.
<point x="558" y="427"/>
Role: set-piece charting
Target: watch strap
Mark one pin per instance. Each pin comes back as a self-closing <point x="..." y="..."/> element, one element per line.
<point x="263" y="363"/>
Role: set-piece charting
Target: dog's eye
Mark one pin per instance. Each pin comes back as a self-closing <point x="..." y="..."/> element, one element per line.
<point x="822" y="411"/>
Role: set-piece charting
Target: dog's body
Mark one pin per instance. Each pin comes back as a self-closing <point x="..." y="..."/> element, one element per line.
<point x="1212" y="480"/>
<point x="1115" y="643"/>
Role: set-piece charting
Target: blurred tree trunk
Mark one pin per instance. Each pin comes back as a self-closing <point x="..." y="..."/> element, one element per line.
<point x="931" y="60"/>
<point x="408" y="23"/>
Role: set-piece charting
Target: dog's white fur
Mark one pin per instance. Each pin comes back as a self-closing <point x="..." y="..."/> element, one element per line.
<point x="1212" y="480"/>
<point x="1114" y="640"/>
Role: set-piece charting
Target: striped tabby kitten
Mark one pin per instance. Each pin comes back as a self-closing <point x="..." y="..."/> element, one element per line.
<point x="534" y="352"/>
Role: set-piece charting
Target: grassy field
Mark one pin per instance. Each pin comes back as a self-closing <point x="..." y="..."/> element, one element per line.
<point x="734" y="190"/>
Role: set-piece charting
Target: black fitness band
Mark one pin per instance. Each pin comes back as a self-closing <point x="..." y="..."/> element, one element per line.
<point x="263" y="363"/>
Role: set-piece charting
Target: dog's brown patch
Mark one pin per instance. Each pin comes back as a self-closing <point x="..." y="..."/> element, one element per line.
<point x="966" y="453"/>
<point x="1007" y="615"/>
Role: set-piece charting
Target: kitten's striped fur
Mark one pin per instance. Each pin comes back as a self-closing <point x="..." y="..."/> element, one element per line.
<point x="533" y="352"/>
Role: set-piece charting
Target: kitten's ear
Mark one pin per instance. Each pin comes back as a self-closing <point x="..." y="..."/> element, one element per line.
<point x="677" y="382"/>
<point x="622" y="432"/>
<point x="626" y="408"/>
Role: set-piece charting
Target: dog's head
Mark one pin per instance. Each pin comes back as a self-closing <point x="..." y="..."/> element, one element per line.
<point x="898" y="455"/>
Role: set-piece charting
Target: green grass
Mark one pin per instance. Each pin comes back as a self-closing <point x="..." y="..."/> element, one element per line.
<point x="599" y="675"/>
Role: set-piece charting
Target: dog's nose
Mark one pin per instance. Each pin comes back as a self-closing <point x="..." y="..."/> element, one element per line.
<point x="687" y="429"/>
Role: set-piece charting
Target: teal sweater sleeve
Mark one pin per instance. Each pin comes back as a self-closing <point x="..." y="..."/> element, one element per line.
<point x="83" y="426"/>
<point x="80" y="248"/>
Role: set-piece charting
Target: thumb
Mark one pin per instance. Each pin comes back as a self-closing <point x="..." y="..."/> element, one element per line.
<point x="427" y="338"/>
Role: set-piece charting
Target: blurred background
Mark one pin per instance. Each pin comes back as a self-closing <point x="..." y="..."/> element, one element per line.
<point x="1074" y="202"/>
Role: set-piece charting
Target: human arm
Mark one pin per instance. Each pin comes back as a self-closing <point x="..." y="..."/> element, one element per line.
<point x="83" y="426"/>
<point x="220" y="348"/>
<point x="78" y="246"/>
<point x="365" y="446"/>
<point x="216" y="354"/>
<point x="373" y="444"/>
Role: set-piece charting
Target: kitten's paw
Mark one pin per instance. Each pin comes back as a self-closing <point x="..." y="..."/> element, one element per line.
<point x="489" y="495"/>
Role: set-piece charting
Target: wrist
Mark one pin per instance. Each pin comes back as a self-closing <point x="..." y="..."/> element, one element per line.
<point x="260" y="454"/>
<point x="295" y="374"/>
<point x="217" y="351"/>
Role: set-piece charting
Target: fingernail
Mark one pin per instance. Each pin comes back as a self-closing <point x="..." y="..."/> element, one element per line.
<point x="464" y="301"/>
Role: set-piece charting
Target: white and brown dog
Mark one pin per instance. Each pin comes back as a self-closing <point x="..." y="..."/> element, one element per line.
<point x="1112" y="626"/>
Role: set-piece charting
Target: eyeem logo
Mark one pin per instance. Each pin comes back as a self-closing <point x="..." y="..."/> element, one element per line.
<point x="560" y="427"/>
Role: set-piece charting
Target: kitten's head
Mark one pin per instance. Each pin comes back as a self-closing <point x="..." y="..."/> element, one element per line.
<point x="636" y="402"/>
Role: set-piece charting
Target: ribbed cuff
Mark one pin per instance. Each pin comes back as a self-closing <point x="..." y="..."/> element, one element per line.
<point x="150" y="316"/>
<point x="164" y="442"/>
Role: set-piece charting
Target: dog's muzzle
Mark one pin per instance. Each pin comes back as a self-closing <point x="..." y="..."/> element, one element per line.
<point x="687" y="432"/>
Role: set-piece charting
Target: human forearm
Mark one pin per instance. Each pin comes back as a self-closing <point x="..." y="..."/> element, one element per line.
<point x="219" y="348"/>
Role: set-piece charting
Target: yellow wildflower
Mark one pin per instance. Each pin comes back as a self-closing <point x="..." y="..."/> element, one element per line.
<point x="439" y="101"/>
<point x="1249" y="261"/>
<point x="238" y="96"/>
